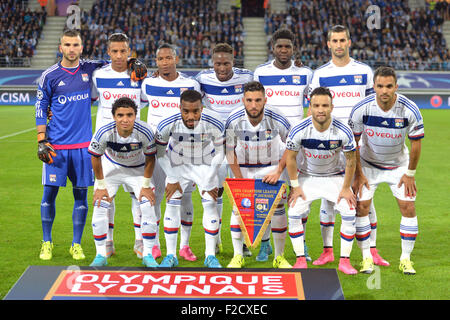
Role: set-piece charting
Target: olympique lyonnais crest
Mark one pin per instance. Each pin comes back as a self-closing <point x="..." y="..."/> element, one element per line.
<point x="254" y="202"/>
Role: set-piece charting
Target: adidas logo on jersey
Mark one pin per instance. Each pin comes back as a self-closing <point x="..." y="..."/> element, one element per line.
<point x="282" y="80"/>
<point x="321" y="146"/>
<point x="120" y="84"/>
<point x="385" y="123"/>
<point x="343" y="80"/>
<point x="170" y="92"/>
<point x="224" y="90"/>
<point x="61" y="83"/>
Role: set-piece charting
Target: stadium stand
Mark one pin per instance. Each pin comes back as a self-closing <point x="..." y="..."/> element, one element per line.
<point x="407" y="39"/>
<point x="20" y="30"/>
<point x="192" y="26"/>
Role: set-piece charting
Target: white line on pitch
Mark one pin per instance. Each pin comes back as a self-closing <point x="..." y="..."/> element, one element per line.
<point x="17" y="133"/>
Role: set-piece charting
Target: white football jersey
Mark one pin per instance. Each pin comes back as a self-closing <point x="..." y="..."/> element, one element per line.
<point x="285" y="89"/>
<point x="257" y="146"/>
<point x="108" y="86"/>
<point x="384" y="133"/>
<point x="164" y="96"/>
<point x="128" y="152"/>
<point x="195" y="146"/>
<point x="321" y="151"/>
<point x="348" y="85"/>
<point x="223" y="96"/>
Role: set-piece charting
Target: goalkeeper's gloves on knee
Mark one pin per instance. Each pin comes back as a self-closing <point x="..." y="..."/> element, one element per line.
<point x="45" y="149"/>
<point x="136" y="69"/>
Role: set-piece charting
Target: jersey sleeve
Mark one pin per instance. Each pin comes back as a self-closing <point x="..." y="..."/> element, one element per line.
<point x="416" y="128"/>
<point x="148" y="142"/>
<point x="293" y="141"/>
<point x="348" y="140"/>
<point x="369" y="87"/>
<point x="355" y="122"/>
<point x="98" y="143"/>
<point x="43" y="98"/>
<point x="94" y="90"/>
<point x="314" y="83"/>
<point x="230" y="135"/>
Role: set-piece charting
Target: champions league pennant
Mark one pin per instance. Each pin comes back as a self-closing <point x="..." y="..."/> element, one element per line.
<point x="254" y="202"/>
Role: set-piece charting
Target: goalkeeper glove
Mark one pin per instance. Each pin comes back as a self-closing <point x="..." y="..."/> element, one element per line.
<point x="137" y="70"/>
<point x="45" y="149"/>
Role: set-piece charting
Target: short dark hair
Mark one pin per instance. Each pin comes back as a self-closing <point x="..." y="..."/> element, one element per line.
<point x="283" y="34"/>
<point x="385" y="71"/>
<point x="254" y="86"/>
<point x="223" y="47"/>
<point x="124" y="102"/>
<point x="190" y="96"/>
<point x="167" y="46"/>
<point x="118" y="37"/>
<point x="337" y="29"/>
<point x="321" y="91"/>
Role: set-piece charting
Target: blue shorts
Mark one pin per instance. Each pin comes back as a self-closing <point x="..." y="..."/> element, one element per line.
<point x="73" y="163"/>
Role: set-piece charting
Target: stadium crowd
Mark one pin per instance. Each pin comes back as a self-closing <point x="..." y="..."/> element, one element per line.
<point x="20" y="30"/>
<point x="406" y="39"/>
<point x="192" y="26"/>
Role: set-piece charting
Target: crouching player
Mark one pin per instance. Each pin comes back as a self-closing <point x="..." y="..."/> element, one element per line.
<point x="321" y="138"/>
<point x="194" y="139"/>
<point x="129" y="148"/>
<point x="255" y="133"/>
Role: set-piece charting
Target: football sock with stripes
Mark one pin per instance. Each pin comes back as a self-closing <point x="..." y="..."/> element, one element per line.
<point x="408" y="232"/>
<point x="111" y="213"/>
<point x="236" y="235"/>
<point x="148" y="226"/>
<point x="296" y="233"/>
<point x="100" y="226"/>
<point x="137" y="217"/>
<point x="279" y="230"/>
<point x="363" y="235"/>
<point x="187" y="217"/>
<point x="327" y="219"/>
<point x="373" y="225"/>
<point x="172" y="225"/>
<point x="210" y="225"/>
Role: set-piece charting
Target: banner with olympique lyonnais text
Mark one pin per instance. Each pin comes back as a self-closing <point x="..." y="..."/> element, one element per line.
<point x="254" y="202"/>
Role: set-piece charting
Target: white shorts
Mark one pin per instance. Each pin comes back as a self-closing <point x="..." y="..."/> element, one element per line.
<point x="188" y="175"/>
<point x="315" y="188"/>
<point x="116" y="175"/>
<point x="261" y="172"/>
<point x="376" y="176"/>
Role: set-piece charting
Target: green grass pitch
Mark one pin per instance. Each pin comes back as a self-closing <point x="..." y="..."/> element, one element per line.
<point x="21" y="234"/>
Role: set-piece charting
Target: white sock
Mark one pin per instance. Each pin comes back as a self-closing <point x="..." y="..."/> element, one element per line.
<point x="172" y="225"/>
<point x="296" y="234"/>
<point x="187" y="217"/>
<point x="137" y="217"/>
<point x="363" y="235"/>
<point x="279" y="230"/>
<point x="219" y="210"/>
<point x="348" y="231"/>
<point x="327" y="219"/>
<point x="408" y="232"/>
<point x="373" y="225"/>
<point x="149" y="226"/>
<point x="111" y="213"/>
<point x="100" y="226"/>
<point x="210" y="225"/>
<point x="236" y="236"/>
